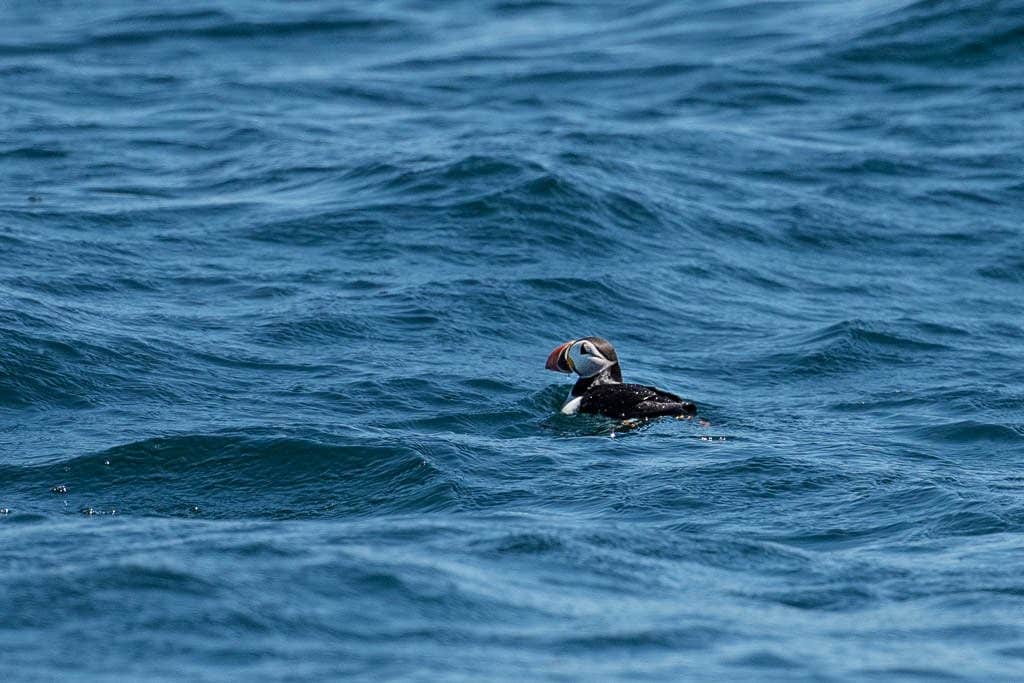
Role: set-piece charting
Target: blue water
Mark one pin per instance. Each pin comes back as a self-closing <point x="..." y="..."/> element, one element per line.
<point x="278" y="282"/>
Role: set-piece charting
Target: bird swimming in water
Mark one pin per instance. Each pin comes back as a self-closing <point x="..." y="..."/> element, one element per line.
<point x="600" y="389"/>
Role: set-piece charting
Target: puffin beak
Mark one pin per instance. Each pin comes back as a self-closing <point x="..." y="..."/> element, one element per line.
<point x="558" y="360"/>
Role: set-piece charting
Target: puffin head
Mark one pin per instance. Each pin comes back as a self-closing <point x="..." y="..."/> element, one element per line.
<point x="586" y="357"/>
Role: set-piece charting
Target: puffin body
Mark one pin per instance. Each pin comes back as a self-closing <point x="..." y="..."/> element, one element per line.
<point x="600" y="389"/>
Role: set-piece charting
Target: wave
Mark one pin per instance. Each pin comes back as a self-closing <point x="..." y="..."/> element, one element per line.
<point x="947" y="33"/>
<point x="970" y="432"/>
<point x="142" y="28"/>
<point x="847" y="347"/>
<point x="236" y="476"/>
<point x="40" y="371"/>
<point x="1005" y="269"/>
<point x="488" y="202"/>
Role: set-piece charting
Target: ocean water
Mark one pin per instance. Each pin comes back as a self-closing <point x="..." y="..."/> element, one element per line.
<point x="278" y="281"/>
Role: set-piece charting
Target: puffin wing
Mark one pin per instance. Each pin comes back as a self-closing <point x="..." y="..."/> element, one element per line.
<point x="626" y="401"/>
<point x="657" y="409"/>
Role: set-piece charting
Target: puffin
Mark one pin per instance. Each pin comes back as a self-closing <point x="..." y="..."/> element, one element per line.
<point x="600" y="389"/>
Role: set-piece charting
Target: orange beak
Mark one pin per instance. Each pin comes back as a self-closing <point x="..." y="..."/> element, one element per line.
<point x="559" y="359"/>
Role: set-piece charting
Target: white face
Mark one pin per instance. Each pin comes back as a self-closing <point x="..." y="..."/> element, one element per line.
<point x="587" y="361"/>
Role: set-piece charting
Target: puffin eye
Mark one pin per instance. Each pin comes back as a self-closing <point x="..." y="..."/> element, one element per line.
<point x="584" y="349"/>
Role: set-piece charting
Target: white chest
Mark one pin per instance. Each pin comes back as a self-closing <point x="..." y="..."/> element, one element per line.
<point x="572" y="406"/>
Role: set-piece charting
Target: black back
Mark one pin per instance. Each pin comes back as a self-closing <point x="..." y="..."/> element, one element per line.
<point x="626" y="401"/>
